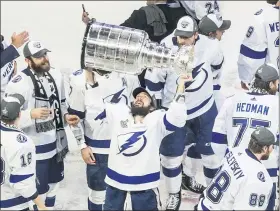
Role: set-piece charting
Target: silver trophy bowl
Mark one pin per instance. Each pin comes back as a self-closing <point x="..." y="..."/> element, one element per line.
<point x="126" y="50"/>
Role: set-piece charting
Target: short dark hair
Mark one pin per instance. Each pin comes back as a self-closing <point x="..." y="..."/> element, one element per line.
<point x="261" y="85"/>
<point x="8" y="122"/>
<point x="255" y="147"/>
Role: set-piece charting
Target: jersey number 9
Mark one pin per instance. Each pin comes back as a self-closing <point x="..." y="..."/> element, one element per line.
<point x="216" y="190"/>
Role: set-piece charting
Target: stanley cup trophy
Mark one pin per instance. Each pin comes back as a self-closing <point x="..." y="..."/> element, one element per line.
<point x="126" y="50"/>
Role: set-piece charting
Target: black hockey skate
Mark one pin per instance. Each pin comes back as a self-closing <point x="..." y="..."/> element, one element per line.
<point x="190" y="184"/>
<point x="173" y="201"/>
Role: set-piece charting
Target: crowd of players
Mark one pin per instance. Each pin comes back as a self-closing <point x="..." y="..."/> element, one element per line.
<point x="132" y="128"/>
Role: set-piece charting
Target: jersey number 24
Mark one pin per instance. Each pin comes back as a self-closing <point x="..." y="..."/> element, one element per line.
<point x="243" y="124"/>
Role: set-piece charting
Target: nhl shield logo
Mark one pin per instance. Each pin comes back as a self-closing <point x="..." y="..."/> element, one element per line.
<point x="184" y="24"/>
<point x="219" y="17"/>
<point x="5" y="111"/>
<point x="261" y="176"/>
<point x="37" y="45"/>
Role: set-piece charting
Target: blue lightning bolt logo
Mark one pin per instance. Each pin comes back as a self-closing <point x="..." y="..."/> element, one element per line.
<point x="132" y="140"/>
<point x="195" y="72"/>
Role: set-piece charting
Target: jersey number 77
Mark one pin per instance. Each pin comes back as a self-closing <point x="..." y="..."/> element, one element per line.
<point x="244" y="123"/>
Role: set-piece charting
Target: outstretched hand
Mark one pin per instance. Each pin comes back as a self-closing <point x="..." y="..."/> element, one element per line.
<point x="85" y="17"/>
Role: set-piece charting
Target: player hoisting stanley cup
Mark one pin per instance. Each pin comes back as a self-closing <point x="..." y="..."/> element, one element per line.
<point x="126" y="50"/>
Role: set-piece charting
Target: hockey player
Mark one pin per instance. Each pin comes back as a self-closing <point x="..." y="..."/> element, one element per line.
<point x="261" y="43"/>
<point x="18" y="160"/>
<point x="244" y="112"/>
<point x="8" y="56"/>
<point x="43" y="117"/>
<point x="213" y="26"/>
<point x="134" y="162"/>
<point x="90" y="89"/>
<point x="243" y="182"/>
<point x="200" y="107"/>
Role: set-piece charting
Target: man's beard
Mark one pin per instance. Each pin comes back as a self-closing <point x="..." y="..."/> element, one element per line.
<point x="265" y="157"/>
<point x="140" y="111"/>
<point x="41" y="68"/>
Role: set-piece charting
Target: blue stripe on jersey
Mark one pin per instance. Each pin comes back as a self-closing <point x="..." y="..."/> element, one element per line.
<point x="97" y="143"/>
<point x="217" y="67"/>
<point x="13" y="202"/>
<point x="248" y="52"/>
<point x="168" y="125"/>
<point x="63" y="100"/>
<point x="219" y="138"/>
<point x="272" y="172"/>
<point x="133" y="180"/>
<point x="216" y="87"/>
<point x="19" y="178"/>
<point x="195" y="109"/>
<point x="154" y="86"/>
<point x="80" y="114"/>
<point x="204" y="208"/>
<point x="45" y="148"/>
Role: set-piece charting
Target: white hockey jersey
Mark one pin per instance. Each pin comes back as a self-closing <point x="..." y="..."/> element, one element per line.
<point x="199" y="92"/>
<point x="18" y="172"/>
<point x="89" y="104"/>
<point x="242" y="184"/>
<point x="134" y="162"/>
<point x="261" y="43"/>
<point x="45" y="142"/>
<point x="240" y="115"/>
<point x="6" y="72"/>
<point x="198" y="9"/>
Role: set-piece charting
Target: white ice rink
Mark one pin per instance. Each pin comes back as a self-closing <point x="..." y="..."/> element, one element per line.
<point x="58" y="25"/>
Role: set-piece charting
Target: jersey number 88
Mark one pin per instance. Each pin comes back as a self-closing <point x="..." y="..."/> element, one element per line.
<point x="216" y="190"/>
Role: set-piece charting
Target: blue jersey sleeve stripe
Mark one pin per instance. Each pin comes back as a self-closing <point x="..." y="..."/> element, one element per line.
<point x="219" y="138"/>
<point x="248" y="52"/>
<point x="80" y="114"/>
<point x="19" y="178"/>
<point x="168" y="125"/>
<point x="154" y="86"/>
<point x="217" y="67"/>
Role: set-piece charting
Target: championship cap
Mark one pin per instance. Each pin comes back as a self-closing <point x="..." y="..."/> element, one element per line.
<point x="213" y="22"/>
<point x="186" y="27"/>
<point x="10" y="106"/>
<point x="35" y="49"/>
<point x="267" y="73"/>
<point x="264" y="137"/>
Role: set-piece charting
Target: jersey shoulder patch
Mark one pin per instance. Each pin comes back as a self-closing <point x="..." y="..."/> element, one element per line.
<point x="259" y="12"/>
<point x="21" y="138"/>
<point x="17" y="79"/>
